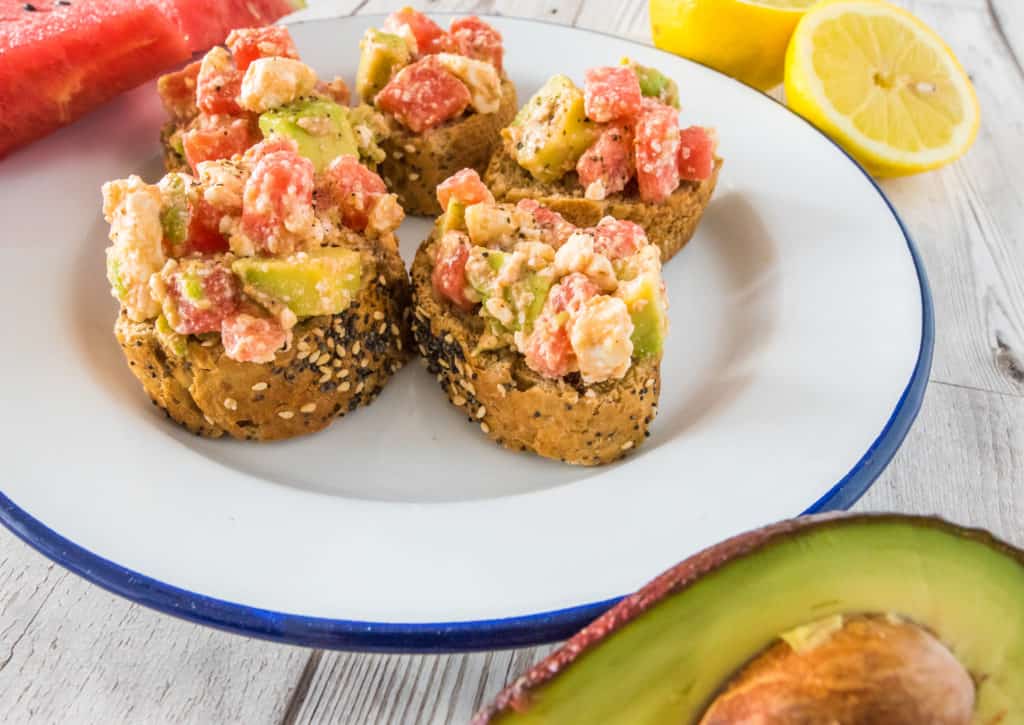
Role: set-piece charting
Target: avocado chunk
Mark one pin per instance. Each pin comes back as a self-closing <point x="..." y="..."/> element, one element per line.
<point x="665" y="655"/>
<point x="552" y="130"/>
<point x="322" y="282"/>
<point x="525" y="297"/>
<point x="655" y="84"/>
<point x="650" y="321"/>
<point x="319" y="126"/>
<point x="381" y="55"/>
<point x="174" y="214"/>
<point x="454" y="217"/>
<point x="171" y="340"/>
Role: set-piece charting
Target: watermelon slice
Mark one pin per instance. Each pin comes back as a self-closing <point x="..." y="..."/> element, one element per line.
<point x="205" y="24"/>
<point x="61" y="58"/>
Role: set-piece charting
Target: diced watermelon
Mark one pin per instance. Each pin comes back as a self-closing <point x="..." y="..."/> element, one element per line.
<point x="423" y="95"/>
<point x="548" y="349"/>
<point x="474" y="38"/>
<point x="696" y="153"/>
<point x="617" y="238"/>
<point x="248" y="44"/>
<point x="449" y="275"/>
<point x="204" y="235"/>
<point x="60" y="61"/>
<point x="465" y="187"/>
<point x="608" y="165"/>
<point x="252" y="337"/>
<point x="355" y="189"/>
<point x="611" y="92"/>
<point x="217" y="137"/>
<point x="205" y="23"/>
<point x="280" y="187"/>
<point x="430" y="37"/>
<point x="657" y="151"/>
<point x="554" y="228"/>
<point x="218" y="83"/>
<point x="202" y="294"/>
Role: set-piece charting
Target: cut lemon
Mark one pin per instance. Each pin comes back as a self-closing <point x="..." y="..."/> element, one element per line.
<point x="883" y="85"/>
<point x="745" y="39"/>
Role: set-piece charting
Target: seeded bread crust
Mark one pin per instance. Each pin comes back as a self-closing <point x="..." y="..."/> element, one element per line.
<point x="516" y="407"/>
<point x="417" y="163"/>
<point x="334" y="365"/>
<point x="669" y="224"/>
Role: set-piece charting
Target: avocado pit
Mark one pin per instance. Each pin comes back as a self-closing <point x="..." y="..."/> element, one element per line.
<point x="862" y="669"/>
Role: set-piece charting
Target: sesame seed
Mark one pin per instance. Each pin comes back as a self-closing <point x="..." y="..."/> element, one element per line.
<point x="394" y="329"/>
<point x="208" y="419"/>
<point x="382" y="280"/>
<point x="230" y="403"/>
<point x="208" y="343"/>
<point x="468" y="386"/>
<point x="485" y="428"/>
<point x="303" y="354"/>
<point x="383" y="328"/>
<point x="286" y="414"/>
<point x="360" y="386"/>
<point x="260" y="386"/>
<point x="365" y="362"/>
<point x="308" y="408"/>
<point x="345" y="386"/>
<point x="378" y="315"/>
<point x="449" y="339"/>
<point x="340" y="351"/>
<point x="356" y="348"/>
<point x="338" y="363"/>
<point x="502" y="390"/>
<point x="342" y="373"/>
<point x="423" y="351"/>
<point x="413" y="176"/>
<point x="330" y="343"/>
<point x="398" y="344"/>
<point x="481" y="412"/>
<point x="303" y="346"/>
<point x="649" y="383"/>
<point x="410" y="148"/>
<point x="459" y="401"/>
<point x="314" y="357"/>
<point x="443" y="363"/>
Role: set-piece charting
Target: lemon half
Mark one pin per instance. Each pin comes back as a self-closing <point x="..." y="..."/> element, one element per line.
<point x="882" y="84"/>
<point x="745" y="39"/>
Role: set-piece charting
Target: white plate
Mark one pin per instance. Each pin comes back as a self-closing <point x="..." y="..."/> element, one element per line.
<point x="798" y="355"/>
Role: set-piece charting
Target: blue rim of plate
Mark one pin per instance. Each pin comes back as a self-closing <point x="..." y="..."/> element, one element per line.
<point x="463" y="636"/>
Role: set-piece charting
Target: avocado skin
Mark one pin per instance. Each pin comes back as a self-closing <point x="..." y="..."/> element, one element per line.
<point x="517" y="697"/>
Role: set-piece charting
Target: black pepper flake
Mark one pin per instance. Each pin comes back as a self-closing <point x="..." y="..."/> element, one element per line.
<point x="29" y="7"/>
<point x="65" y="3"/>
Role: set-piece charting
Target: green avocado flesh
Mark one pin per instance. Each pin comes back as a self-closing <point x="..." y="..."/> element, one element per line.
<point x="315" y="283"/>
<point x="655" y="84"/>
<point x="538" y="285"/>
<point x="320" y="127"/>
<point x="382" y="54"/>
<point x="649" y="321"/>
<point x="558" y="130"/>
<point x="667" y="665"/>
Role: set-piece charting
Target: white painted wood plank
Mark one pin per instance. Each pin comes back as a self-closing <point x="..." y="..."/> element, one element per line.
<point x="70" y="652"/>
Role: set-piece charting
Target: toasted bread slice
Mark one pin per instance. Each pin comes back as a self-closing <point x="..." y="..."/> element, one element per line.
<point x="669" y="224"/>
<point x="561" y="419"/>
<point x="334" y="365"/>
<point x="417" y="163"/>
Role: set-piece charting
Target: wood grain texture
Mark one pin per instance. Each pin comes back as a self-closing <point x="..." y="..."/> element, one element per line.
<point x="70" y="652"/>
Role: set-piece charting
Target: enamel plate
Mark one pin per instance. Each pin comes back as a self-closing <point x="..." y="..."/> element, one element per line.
<point x="799" y="352"/>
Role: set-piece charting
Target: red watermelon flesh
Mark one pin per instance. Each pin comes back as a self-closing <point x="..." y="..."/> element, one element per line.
<point x="60" y="59"/>
<point x="206" y="23"/>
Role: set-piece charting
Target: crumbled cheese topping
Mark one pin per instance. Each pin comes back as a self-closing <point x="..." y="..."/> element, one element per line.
<point x="273" y="82"/>
<point x="132" y="208"/>
<point x="480" y="78"/>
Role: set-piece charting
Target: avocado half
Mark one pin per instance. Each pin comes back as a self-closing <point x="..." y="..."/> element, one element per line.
<point x="666" y="653"/>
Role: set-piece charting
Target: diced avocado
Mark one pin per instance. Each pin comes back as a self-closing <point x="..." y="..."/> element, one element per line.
<point x="669" y="654"/>
<point x="454" y="218"/>
<point x="649" y="319"/>
<point x="174" y="215"/>
<point x="319" y="126"/>
<point x="481" y="280"/>
<point x="532" y="286"/>
<point x="655" y="84"/>
<point x="117" y="284"/>
<point x="170" y="339"/>
<point x="370" y="129"/>
<point x="552" y="130"/>
<point x="322" y="282"/>
<point x="539" y="285"/>
<point x="192" y="286"/>
<point x="382" y="54"/>
<point x="488" y="223"/>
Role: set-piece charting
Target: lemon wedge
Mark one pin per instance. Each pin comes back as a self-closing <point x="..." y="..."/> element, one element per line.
<point x="883" y="85"/>
<point x="745" y="39"/>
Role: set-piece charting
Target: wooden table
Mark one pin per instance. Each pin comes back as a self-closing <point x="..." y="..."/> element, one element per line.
<point x="70" y="652"/>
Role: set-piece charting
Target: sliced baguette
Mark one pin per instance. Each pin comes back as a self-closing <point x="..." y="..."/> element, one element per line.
<point x="669" y="224"/>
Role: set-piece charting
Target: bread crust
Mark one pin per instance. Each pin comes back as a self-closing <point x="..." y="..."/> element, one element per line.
<point x="335" y="364"/>
<point x="417" y="163"/>
<point x="513" y="405"/>
<point x="669" y="224"/>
